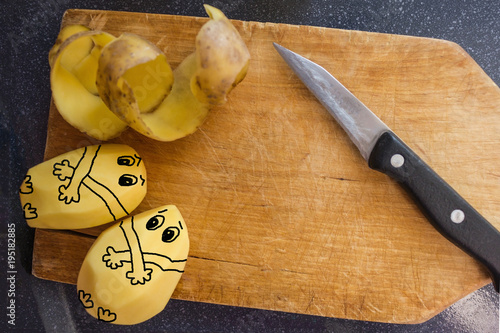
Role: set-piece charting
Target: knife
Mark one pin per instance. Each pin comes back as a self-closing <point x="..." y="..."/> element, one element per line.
<point x="384" y="151"/>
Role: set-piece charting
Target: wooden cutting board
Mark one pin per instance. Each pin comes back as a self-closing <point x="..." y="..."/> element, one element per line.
<point x="283" y="212"/>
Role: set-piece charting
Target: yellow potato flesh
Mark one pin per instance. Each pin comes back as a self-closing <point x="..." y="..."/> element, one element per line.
<point x="133" y="58"/>
<point x="83" y="188"/>
<point x="75" y="52"/>
<point x="64" y="34"/>
<point x="133" y="267"/>
<point x="150" y="82"/>
<point x="86" y="70"/>
<point x="181" y="113"/>
<point x="178" y="115"/>
<point x="203" y="79"/>
<point x="72" y="78"/>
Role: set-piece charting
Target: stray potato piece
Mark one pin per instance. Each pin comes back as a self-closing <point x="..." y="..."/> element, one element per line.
<point x="133" y="267"/>
<point x="202" y="80"/>
<point x="84" y="188"/>
<point x="73" y="61"/>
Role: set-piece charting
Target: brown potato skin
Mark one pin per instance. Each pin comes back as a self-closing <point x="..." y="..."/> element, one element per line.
<point x="171" y="110"/>
<point x="202" y="80"/>
<point x="117" y="57"/>
<point x="222" y="57"/>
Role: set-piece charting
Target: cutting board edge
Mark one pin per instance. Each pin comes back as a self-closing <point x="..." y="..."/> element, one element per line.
<point x="452" y="44"/>
<point x="450" y="303"/>
<point x="425" y="316"/>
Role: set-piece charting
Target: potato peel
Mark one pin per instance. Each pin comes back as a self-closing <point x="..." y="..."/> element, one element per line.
<point x="134" y="80"/>
<point x="119" y="90"/>
<point x="71" y="83"/>
<point x="222" y="58"/>
<point x="202" y="80"/>
<point x="64" y="34"/>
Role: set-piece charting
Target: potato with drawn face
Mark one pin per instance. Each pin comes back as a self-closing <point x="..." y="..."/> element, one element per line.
<point x="133" y="267"/>
<point x="84" y="187"/>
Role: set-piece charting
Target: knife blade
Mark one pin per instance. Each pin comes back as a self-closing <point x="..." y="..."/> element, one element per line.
<point x="384" y="151"/>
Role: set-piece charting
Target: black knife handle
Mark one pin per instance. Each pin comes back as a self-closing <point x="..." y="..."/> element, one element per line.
<point x="448" y="212"/>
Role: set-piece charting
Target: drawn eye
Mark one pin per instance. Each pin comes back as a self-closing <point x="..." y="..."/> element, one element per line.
<point x="155" y="222"/>
<point x="170" y="234"/>
<point x="127" y="180"/>
<point x="125" y="160"/>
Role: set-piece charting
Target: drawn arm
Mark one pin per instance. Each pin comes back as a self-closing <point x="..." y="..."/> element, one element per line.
<point x="164" y="262"/>
<point x="139" y="274"/>
<point x="71" y="192"/>
<point x="111" y="201"/>
<point x="115" y="259"/>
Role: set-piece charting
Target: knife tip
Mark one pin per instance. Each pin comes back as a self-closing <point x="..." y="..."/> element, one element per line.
<point x="281" y="50"/>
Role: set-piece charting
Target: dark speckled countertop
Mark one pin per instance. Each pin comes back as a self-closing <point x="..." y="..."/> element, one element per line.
<point x="29" y="29"/>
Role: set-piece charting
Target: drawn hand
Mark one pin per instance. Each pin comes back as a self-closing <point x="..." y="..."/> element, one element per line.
<point x="139" y="276"/>
<point x="26" y="186"/>
<point x="29" y="212"/>
<point x="112" y="259"/>
<point x="105" y="315"/>
<point x="69" y="194"/>
<point x="85" y="299"/>
<point x="63" y="170"/>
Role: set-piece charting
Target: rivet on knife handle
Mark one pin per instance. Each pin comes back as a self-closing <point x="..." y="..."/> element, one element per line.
<point x="384" y="151"/>
<point x="448" y="212"/>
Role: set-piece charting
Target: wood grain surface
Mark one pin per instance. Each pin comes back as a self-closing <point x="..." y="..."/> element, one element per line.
<point x="283" y="212"/>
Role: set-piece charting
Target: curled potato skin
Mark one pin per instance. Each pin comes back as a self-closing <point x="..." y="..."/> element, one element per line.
<point x="78" y="105"/>
<point x="117" y="58"/>
<point x="175" y="106"/>
<point x="64" y="34"/>
<point x="202" y="80"/>
<point x="222" y="58"/>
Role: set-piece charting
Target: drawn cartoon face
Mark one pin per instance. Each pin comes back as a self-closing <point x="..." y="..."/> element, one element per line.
<point x="162" y="231"/>
<point x="133" y="267"/>
<point x="127" y="173"/>
<point x="84" y="187"/>
<point x="128" y="179"/>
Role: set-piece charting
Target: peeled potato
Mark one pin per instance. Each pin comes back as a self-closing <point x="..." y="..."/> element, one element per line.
<point x="133" y="267"/>
<point x="84" y="188"/>
<point x="73" y="61"/>
<point x="202" y="80"/>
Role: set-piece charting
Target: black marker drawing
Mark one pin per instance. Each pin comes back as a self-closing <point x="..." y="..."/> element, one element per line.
<point x="27" y="185"/>
<point x="102" y="314"/>
<point x="105" y="315"/>
<point x="129" y="160"/>
<point x="85" y="299"/>
<point x="138" y="260"/>
<point x="127" y="180"/>
<point x="81" y="175"/>
<point x="29" y="212"/>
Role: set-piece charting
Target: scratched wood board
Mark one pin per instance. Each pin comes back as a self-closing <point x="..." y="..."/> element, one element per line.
<point x="283" y="212"/>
